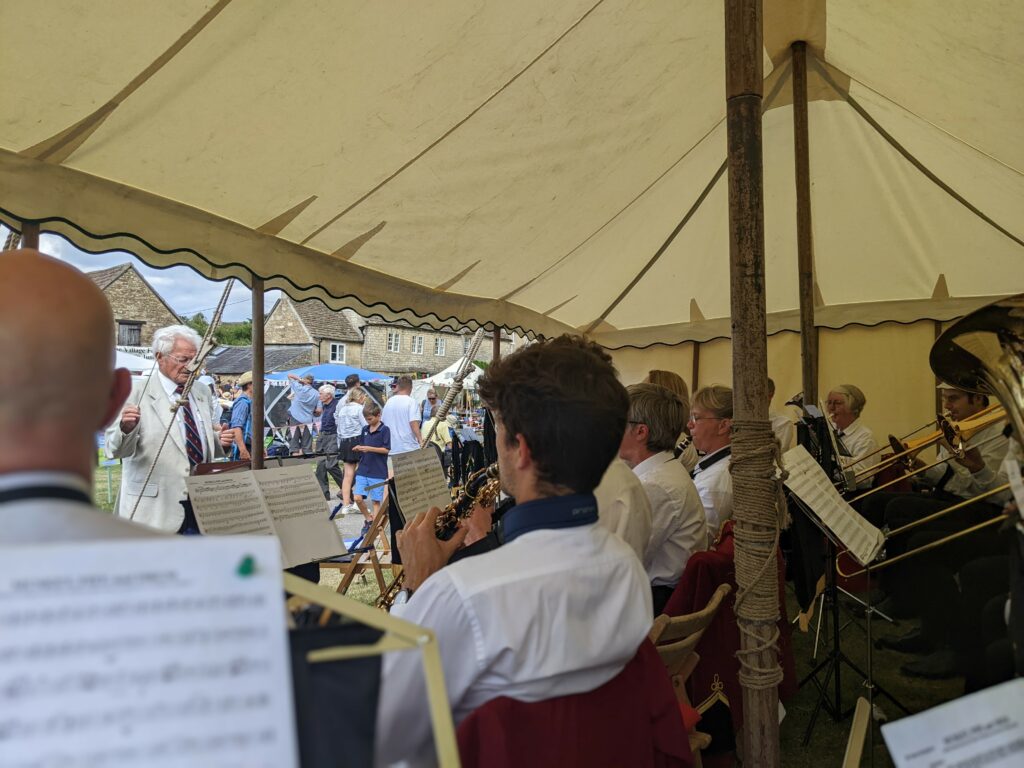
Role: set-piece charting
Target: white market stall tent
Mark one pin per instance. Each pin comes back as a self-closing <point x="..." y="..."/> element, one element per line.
<point x="542" y="166"/>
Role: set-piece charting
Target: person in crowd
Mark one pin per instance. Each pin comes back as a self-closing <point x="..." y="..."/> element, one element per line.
<point x="678" y="523"/>
<point x="47" y="428"/>
<point x="304" y="406"/>
<point x="240" y="420"/>
<point x="352" y="382"/>
<point x="782" y="425"/>
<point x="440" y="436"/>
<point x="684" y="449"/>
<point x="350" y="421"/>
<point x="845" y="404"/>
<point x="226" y="398"/>
<point x="327" y="443"/>
<point x="564" y="604"/>
<point x="428" y="406"/>
<point x="623" y="507"/>
<point x="711" y="427"/>
<point x="136" y="438"/>
<point x="373" y="448"/>
<point x="402" y="417"/>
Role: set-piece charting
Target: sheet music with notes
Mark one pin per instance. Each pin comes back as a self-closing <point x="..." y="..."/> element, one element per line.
<point x="285" y="502"/>
<point x="810" y="483"/>
<point x="420" y="482"/>
<point x="163" y="652"/>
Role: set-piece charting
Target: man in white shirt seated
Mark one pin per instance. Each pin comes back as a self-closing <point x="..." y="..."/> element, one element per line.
<point x="563" y="604"/>
<point x="622" y="506"/>
<point x="711" y="427"/>
<point x="678" y="523"/>
<point x="54" y="404"/>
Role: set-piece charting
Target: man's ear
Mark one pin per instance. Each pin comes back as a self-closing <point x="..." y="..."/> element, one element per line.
<point x="524" y="456"/>
<point x="120" y="388"/>
<point x="725" y="426"/>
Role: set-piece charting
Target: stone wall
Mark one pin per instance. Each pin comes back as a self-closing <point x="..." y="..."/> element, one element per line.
<point x="133" y="300"/>
<point x="284" y="327"/>
<point x="376" y="356"/>
<point x="353" y="352"/>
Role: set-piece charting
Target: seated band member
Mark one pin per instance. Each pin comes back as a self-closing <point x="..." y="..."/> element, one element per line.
<point x="678" y="523"/>
<point x="711" y="427"/>
<point x="623" y="507"/>
<point x="48" y="428"/>
<point x="845" y="404"/>
<point x="563" y="605"/>
<point x="684" y="450"/>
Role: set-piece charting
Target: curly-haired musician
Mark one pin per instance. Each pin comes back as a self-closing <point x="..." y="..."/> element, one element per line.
<point x="563" y="604"/>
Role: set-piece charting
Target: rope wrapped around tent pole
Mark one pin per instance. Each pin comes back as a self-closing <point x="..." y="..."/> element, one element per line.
<point x="757" y="457"/>
<point x="456" y="387"/>
<point x="194" y="367"/>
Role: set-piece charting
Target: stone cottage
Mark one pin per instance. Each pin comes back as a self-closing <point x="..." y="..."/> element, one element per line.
<point x="138" y="309"/>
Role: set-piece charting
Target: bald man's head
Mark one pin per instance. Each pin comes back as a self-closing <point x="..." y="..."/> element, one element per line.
<point x="56" y="352"/>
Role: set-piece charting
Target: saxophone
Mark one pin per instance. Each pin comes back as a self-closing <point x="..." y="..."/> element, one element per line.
<point x="482" y="487"/>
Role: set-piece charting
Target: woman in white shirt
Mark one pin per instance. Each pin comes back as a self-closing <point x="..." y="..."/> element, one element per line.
<point x="685" y="450"/>
<point x="845" y="404"/>
<point x="350" y="421"/>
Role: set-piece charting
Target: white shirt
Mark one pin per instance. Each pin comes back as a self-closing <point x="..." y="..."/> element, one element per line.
<point x="43" y="521"/>
<point x="859" y="441"/>
<point x="551" y="613"/>
<point x="714" y="484"/>
<point x="399" y="411"/>
<point x="202" y="416"/>
<point x="784" y="429"/>
<point x="688" y="458"/>
<point x="622" y="506"/>
<point x="993" y="446"/>
<point x="349" y="419"/>
<point x="678" y="523"/>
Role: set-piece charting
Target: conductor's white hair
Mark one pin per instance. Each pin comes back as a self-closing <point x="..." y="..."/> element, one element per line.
<point x="163" y="339"/>
<point x="327" y="389"/>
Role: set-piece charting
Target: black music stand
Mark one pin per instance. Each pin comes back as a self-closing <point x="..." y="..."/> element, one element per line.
<point x="832" y="663"/>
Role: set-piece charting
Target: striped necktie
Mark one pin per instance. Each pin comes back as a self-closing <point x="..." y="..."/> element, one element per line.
<point x="193" y="442"/>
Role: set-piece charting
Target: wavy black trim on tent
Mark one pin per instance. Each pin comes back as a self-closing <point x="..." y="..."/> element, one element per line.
<point x="453" y="320"/>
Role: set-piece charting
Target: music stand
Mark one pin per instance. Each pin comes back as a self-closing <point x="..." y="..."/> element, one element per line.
<point x="832" y="663"/>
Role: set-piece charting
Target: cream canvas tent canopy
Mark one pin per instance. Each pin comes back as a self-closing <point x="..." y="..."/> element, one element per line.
<point x="527" y="163"/>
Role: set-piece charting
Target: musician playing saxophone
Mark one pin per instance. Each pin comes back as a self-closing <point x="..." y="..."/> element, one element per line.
<point x="563" y="604"/>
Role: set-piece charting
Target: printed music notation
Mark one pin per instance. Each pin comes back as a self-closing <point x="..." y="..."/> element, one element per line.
<point x="184" y="663"/>
<point x="810" y="483"/>
<point x="420" y="482"/>
<point x="285" y="502"/>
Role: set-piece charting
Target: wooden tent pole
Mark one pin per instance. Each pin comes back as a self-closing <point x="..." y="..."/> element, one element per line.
<point x="804" y="236"/>
<point x="30" y="234"/>
<point x="496" y="349"/>
<point x="755" y="513"/>
<point x="695" y="371"/>
<point x="257" y="373"/>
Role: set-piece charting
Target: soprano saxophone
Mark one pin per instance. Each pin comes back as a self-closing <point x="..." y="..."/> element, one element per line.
<point x="481" y="488"/>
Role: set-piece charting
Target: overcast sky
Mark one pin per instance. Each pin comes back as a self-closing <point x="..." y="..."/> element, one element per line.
<point x="184" y="289"/>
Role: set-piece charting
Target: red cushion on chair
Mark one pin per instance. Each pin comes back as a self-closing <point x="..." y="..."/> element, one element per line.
<point x="633" y="720"/>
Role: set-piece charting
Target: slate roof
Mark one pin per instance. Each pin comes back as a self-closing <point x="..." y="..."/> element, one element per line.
<point x="276" y="357"/>
<point x="324" y="323"/>
<point x="104" y="277"/>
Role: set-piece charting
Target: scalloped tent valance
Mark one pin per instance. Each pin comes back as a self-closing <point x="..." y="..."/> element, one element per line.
<point x="524" y="164"/>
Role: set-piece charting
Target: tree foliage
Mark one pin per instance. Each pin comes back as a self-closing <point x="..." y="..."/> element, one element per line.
<point x="232" y="334"/>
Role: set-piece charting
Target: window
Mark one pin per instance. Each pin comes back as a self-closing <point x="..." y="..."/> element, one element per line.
<point x="439" y="346"/>
<point x="394" y="341"/>
<point x="417" y="345"/>
<point x="129" y="333"/>
<point x="337" y="352"/>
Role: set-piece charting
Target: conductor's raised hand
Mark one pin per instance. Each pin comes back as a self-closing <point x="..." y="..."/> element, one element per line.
<point x="130" y="418"/>
<point x="423" y="554"/>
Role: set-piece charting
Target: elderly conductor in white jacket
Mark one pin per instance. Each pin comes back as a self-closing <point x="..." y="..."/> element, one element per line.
<point x="195" y="436"/>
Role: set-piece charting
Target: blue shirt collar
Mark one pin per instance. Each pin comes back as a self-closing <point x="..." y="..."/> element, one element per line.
<point x="551" y="512"/>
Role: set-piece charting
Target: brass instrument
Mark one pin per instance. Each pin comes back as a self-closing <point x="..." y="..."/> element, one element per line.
<point x="482" y="488"/>
<point x="981" y="353"/>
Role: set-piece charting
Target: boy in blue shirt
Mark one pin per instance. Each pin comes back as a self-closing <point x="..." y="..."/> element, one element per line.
<point x="374" y="446"/>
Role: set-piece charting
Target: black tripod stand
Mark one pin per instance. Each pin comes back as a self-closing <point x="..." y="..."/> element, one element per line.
<point x="830" y="694"/>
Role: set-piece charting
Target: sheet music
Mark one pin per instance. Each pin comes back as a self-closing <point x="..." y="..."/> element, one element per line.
<point x="983" y="729"/>
<point x="810" y="483"/>
<point x="229" y="503"/>
<point x="300" y="513"/>
<point x="162" y="652"/>
<point x="420" y="482"/>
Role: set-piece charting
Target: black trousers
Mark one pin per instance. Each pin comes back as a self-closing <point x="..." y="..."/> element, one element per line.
<point x="328" y="465"/>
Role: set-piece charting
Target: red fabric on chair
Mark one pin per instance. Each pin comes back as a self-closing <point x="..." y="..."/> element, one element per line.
<point x="633" y="720"/>
<point x="717" y="648"/>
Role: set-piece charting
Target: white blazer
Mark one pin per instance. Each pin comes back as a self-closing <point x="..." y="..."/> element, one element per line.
<point x="160" y="507"/>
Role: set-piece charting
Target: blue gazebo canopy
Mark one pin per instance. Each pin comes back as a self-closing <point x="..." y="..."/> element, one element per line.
<point x="329" y="372"/>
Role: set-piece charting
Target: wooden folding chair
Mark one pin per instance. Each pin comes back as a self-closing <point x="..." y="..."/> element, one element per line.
<point x="676" y="639"/>
<point x="365" y="556"/>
